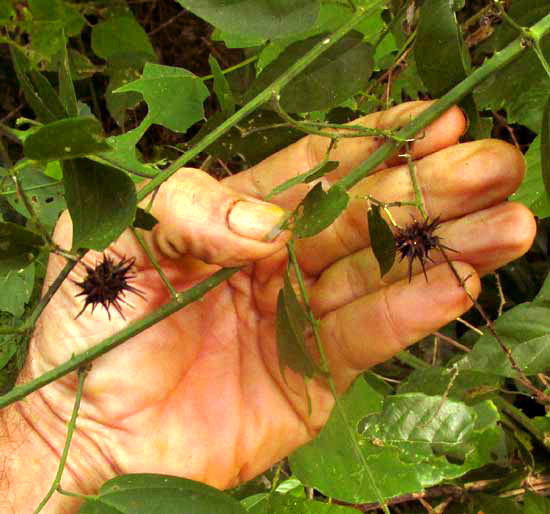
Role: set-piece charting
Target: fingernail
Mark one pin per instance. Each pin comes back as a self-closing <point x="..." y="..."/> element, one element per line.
<point x="257" y="220"/>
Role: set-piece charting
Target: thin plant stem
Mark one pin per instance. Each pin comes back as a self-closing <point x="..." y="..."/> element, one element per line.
<point x="411" y="360"/>
<point x="452" y="342"/>
<point x="527" y="423"/>
<point x="155" y="263"/>
<point x="273" y="89"/>
<point x="237" y="66"/>
<point x="538" y="50"/>
<point x="521" y="376"/>
<point x="418" y="196"/>
<point x="82" y="372"/>
<point x="182" y="300"/>
<point x="315" y="325"/>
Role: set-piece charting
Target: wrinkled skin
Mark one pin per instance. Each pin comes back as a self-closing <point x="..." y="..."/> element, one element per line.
<point x="200" y="394"/>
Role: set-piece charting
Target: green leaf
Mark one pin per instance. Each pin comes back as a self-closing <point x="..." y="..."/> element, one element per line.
<point x="44" y="111"/>
<point x="320" y="85"/>
<point x="45" y="194"/>
<point x="254" y="140"/>
<point x="66" y="139"/>
<point x="319" y="209"/>
<point x="491" y="504"/>
<point x="119" y="103"/>
<point x="286" y="504"/>
<point x="526" y="330"/>
<point x="101" y="200"/>
<point x="545" y="147"/>
<point x="290" y="325"/>
<point x="174" y="96"/>
<point x="18" y="246"/>
<point x="66" y="88"/>
<point x="532" y="191"/>
<point x="147" y="493"/>
<point x="535" y="504"/>
<point x="439" y="46"/>
<point x="16" y="287"/>
<point x="58" y="11"/>
<point x="269" y="19"/>
<point x="381" y="238"/>
<point x="526" y="75"/>
<point x="144" y="220"/>
<point x="221" y="88"/>
<point x="121" y="35"/>
<point x="6" y="11"/>
<point x="469" y="386"/>
<point x="309" y="176"/>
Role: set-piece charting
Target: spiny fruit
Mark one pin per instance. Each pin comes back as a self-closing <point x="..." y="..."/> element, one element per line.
<point x="107" y="283"/>
<point x="416" y="240"/>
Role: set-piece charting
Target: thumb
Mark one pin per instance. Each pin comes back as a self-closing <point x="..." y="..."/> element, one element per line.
<point x="201" y="217"/>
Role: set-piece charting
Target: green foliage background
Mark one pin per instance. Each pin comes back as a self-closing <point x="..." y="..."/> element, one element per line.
<point x="456" y="426"/>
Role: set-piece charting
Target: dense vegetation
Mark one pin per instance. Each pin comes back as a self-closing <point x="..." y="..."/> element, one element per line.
<point x="132" y="90"/>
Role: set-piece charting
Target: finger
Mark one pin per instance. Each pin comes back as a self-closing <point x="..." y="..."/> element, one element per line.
<point x="350" y="152"/>
<point x="200" y="217"/>
<point x="454" y="181"/>
<point x="401" y="314"/>
<point x="486" y="240"/>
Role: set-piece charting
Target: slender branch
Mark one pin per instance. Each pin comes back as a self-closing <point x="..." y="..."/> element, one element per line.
<point x="82" y="372"/>
<point x="418" y="196"/>
<point x="183" y="299"/>
<point x="155" y="263"/>
<point x="315" y="325"/>
<point x="261" y="98"/>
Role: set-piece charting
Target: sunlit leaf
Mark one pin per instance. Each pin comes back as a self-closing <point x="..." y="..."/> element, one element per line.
<point x="260" y="18"/>
<point x="101" y="201"/>
<point x="174" y="96"/>
<point x="319" y="209"/>
<point x="66" y="139"/>
<point x="147" y="493"/>
<point x="381" y="239"/>
<point x="320" y="85"/>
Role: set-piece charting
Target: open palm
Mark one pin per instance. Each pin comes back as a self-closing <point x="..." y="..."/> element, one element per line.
<point x="200" y="394"/>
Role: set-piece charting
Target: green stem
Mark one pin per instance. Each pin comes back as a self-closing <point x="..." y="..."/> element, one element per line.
<point x="315" y="324"/>
<point x="260" y="99"/>
<point x="155" y="263"/>
<point x="540" y="54"/>
<point x="82" y="372"/>
<point x="183" y="299"/>
<point x="242" y="64"/>
<point x="410" y="360"/>
<point x="522" y="419"/>
<point x="418" y="197"/>
<point x="499" y="60"/>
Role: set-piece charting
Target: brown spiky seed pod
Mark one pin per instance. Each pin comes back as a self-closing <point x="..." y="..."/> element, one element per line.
<point x="107" y="283"/>
<point x="416" y="240"/>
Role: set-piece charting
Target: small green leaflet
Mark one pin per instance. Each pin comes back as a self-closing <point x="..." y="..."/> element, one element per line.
<point x="381" y="240"/>
<point x="174" y="96"/>
<point x="101" y="200"/>
<point x="16" y="287"/>
<point x="270" y="19"/>
<point x="66" y="139"/>
<point x="287" y="504"/>
<point x="148" y="493"/>
<point x="318" y="210"/>
<point x="290" y="324"/>
<point x="221" y="88"/>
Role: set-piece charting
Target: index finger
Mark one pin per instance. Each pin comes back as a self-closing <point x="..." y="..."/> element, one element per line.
<point x="310" y="151"/>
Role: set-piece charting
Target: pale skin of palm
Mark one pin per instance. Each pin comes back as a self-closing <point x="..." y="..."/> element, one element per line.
<point x="200" y="394"/>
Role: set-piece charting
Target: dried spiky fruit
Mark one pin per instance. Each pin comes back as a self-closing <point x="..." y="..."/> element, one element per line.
<point x="107" y="283"/>
<point x="416" y="240"/>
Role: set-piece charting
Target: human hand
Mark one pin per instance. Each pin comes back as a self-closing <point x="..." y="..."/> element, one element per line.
<point x="200" y="394"/>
